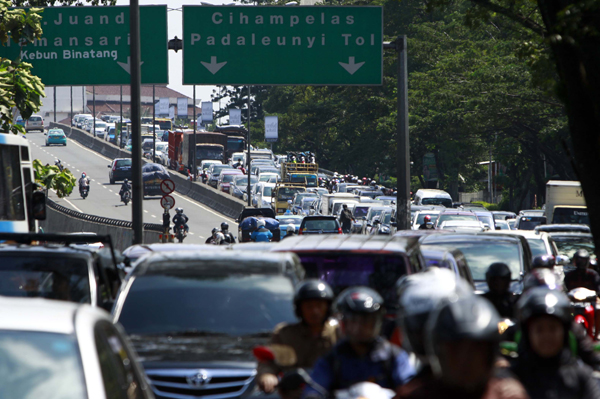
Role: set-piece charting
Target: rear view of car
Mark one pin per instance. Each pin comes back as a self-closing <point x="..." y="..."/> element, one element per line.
<point x="35" y="122"/>
<point x="120" y="169"/>
<point x="56" y="136"/>
<point x="320" y="225"/>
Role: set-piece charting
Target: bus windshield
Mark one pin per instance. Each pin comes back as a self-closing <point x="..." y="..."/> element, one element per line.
<point x="12" y="206"/>
<point x="310" y="180"/>
<point x="235" y="144"/>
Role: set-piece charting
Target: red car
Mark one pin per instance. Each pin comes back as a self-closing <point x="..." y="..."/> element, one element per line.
<point x="225" y="179"/>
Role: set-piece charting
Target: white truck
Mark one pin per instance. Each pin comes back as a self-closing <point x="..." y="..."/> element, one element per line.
<point x="565" y="203"/>
<point x="328" y="199"/>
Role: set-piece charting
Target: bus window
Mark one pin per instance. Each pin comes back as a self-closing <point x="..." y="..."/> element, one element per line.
<point x="27" y="173"/>
<point x="12" y="205"/>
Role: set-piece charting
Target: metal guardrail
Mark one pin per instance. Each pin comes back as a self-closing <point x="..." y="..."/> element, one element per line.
<point x="100" y="219"/>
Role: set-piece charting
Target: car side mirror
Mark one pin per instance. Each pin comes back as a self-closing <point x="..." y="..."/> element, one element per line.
<point x="108" y="166"/>
<point x="369" y="225"/>
<point x="38" y="205"/>
<point x="393" y="224"/>
<point x="562" y="260"/>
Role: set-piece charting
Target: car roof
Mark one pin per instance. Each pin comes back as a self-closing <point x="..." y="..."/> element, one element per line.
<point x="138" y="250"/>
<point x="231" y="261"/>
<point x="232" y="172"/>
<point x="43" y="315"/>
<point x="529" y="234"/>
<point x="576" y="228"/>
<point x="463" y="236"/>
<point x="455" y="212"/>
<point x="351" y="243"/>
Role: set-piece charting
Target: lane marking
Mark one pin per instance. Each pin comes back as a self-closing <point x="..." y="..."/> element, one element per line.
<point x="111" y="191"/>
<point x="77" y="209"/>
<point x="153" y="216"/>
<point x="145" y="211"/>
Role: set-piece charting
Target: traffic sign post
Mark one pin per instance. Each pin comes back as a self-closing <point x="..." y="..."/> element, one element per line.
<point x="167" y="186"/>
<point x="283" y="45"/>
<point x="167" y="202"/>
<point x="90" y="46"/>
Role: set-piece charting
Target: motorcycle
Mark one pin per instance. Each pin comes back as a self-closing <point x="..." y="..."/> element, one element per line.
<point x="179" y="232"/>
<point x="583" y="302"/>
<point x="84" y="191"/>
<point x="60" y="165"/>
<point x="126" y="197"/>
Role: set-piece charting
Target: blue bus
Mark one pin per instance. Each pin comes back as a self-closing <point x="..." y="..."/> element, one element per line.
<point x="20" y="205"/>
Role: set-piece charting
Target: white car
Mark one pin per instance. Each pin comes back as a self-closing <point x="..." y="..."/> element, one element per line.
<point x="269" y="177"/>
<point x="162" y="152"/>
<point x="100" y="129"/>
<point x="463" y="225"/>
<point x="56" y="349"/>
<point x="263" y="195"/>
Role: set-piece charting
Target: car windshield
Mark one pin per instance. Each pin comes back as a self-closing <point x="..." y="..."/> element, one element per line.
<point x="486" y="220"/>
<point x="287" y="193"/>
<point x="243" y="179"/>
<point x="64" y="278"/>
<point x="537" y="246"/>
<point x="421" y="217"/>
<point x="346" y="270"/>
<point x="481" y="254"/>
<point x="361" y="211"/>
<point x="568" y="245"/>
<point x="309" y="180"/>
<point x="235" y="304"/>
<point x="228" y="178"/>
<point x="320" y="224"/>
<point x="437" y="201"/>
<point x="161" y="147"/>
<point x="501" y="224"/>
<point x="124" y="162"/>
<point x="235" y="144"/>
<point x="443" y="218"/>
<point x="267" y="191"/>
<point x="571" y="216"/>
<point x="266" y="178"/>
<point x="40" y="364"/>
<point x="375" y="212"/>
<point x="307" y="202"/>
<point x="101" y="125"/>
<point x="218" y="168"/>
<point x="529" y="222"/>
<point x="294" y="221"/>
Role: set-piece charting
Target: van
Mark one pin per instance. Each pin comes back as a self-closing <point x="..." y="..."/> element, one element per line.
<point x="433" y="197"/>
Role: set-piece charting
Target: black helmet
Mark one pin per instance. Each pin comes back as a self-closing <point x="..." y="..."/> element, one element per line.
<point x="540" y="277"/>
<point x="497" y="269"/>
<point x="543" y="261"/>
<point x="125" y="181"/>
<point x="419" y="295"/>
<point x="214" y="230"/>
<point x="470" y="318"/>
<point x="312" y="289"/>
<point x="541" y="301"/>
<point x="359" y="300"/>
<point x="224" y="226"/>
<point x="581" y="259"/>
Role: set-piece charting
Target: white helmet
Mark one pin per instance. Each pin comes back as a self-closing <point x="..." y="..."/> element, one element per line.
<point x="260" y="223"/>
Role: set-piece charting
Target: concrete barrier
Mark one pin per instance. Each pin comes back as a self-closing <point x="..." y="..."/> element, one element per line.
<point x="203" y="193"/>
<point x="122" y="237"/>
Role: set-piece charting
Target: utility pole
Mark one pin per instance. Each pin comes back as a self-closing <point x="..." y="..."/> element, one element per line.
<point x="402" y="137"/>
<point x="195" y="171"/>
<point x="248" y="165"/>
<point x="137" y="200"/>
<point x="153" y="123"/>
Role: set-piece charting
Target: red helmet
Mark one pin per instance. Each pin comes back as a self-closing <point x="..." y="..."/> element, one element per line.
<point x="427" y="218"/>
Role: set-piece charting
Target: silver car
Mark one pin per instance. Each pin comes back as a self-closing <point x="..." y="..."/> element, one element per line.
<point x="55" y="349"/>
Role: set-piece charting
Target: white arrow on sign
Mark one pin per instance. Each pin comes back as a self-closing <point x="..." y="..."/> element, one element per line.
<point x="127" y="66"/>
<point x="351" y="67"/>
<point x="214" y="66"/>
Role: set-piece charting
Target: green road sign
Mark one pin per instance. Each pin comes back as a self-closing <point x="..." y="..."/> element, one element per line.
<point x="283" y="45"/>
<point x="90" y="46"/>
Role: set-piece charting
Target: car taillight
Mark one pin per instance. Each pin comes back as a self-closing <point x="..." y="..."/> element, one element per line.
<point x="300" y="232"/>
<point x="339" y="230"/>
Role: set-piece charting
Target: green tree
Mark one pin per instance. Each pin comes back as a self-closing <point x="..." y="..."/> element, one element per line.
<point x="19" y="88"/>
<point x="52" y="178"/>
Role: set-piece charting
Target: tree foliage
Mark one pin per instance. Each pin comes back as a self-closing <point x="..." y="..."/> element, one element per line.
<point x="19" y="88"/>
<point x="52" y="178"/>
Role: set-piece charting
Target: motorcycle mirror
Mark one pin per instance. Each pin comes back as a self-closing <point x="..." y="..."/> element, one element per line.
<point x="38" y="205"/>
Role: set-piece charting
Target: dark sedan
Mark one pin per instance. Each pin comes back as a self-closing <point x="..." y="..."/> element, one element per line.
<point x="320" y="225"/>
<point x="120" y="169"/>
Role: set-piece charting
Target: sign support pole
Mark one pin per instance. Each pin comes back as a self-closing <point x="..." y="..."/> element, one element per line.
<point x="403" y="144"/>
<point x="83" y="99"/>
<point x="248" y="166"/>
<point x="136" y="145"/>
<point x="195" y="171"/>
<point x="54" y="104"/>
<point x="94" y="109"/>
<point x="153" y="123"/>
<point x="71" y="114"/>
<point x="121" y="145"/>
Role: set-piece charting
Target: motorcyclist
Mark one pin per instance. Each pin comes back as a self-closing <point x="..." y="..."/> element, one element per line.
<point x="216" y="237"/>
<point x="228" y="238"/>
<point x="546" y="364"/>
<point x="498" y="278"/>
<point x="427" y="223"/>
<point x="179" y="219"/>
<point x="585" y="345"/>
<point x="59" y="164"/>
<point x="346" y="219"/>
<point x="461" y="342"/>
<point x="84" y="182"/>
<point x="362" y="355"/>
<point x="585" y="277"/>
<point x="543" y="262"/>
<point x="290" y="231"/>
<point x="124" y="187"/>
<point x="261" y="234"/>
<point x="312" y="337"/>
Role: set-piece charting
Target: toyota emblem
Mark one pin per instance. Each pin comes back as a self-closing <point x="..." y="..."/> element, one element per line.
<point x="199" y="379"/>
